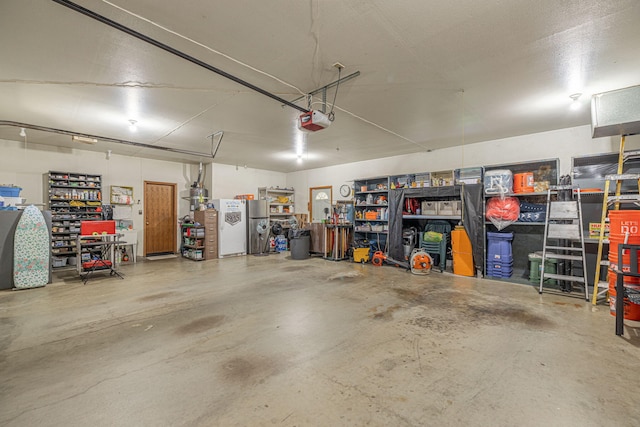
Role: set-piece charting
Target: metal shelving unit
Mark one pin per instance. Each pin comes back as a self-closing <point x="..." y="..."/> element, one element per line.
<point x="278" y="208"/>
<point x="528" y="236"/>
<point x="71" y="198"/>
<point x="192" y="242"/>
<point x="371" y="206"/>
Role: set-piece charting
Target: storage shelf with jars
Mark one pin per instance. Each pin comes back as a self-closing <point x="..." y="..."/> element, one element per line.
<point x="371" y="209"/>
<point x="193" y="242"/>
<point x="71" y="198"/>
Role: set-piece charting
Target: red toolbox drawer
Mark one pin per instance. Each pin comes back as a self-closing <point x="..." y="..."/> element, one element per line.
<point x="87" y="228"/>
<point x="96" y="264"/>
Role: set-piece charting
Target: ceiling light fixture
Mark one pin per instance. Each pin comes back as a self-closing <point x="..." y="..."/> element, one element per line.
<point x="23" y="133"/>
<point x="84" y="139"/>
<point x="133" y="125"/>
<point x="575" y="104"/>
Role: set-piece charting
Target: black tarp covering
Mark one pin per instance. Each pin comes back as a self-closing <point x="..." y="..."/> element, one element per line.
<point x="396" y="202"/>
<point x="473" y="201"/>
<point x="473" y="220"/>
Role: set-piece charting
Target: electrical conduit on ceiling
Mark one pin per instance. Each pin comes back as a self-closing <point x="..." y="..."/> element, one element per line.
<point x="118" y="141"/>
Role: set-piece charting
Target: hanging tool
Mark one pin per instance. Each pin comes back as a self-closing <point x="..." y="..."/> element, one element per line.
<point x="379" y="258"/>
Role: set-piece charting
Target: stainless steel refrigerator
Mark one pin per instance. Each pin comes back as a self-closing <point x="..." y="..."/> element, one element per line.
<point x="256" y="212"/>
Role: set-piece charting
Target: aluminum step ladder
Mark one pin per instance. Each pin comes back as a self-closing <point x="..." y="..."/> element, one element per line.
<point x="563" y="231"/>
<point x="601" y="287"/>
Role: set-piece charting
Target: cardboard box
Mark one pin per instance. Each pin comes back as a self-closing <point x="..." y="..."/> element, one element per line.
<point x="245" y="197"/>
<point x="371" y="215"/>
<point x="457" y="207"/>
<point x="445" y="207"/>
<point x="429" y="208"/>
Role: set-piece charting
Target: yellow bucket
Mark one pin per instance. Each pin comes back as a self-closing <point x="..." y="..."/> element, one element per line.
<point x="361" y="255"/>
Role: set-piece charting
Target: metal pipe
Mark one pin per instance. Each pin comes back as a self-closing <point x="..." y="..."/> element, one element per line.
<point x="105" y="139"/>
<point x="167" y="48"/>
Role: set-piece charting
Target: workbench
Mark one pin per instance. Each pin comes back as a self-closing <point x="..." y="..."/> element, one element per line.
<point x="102" y="248"/>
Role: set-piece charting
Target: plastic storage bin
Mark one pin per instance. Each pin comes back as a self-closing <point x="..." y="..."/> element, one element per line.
<point x="535" y="259"/>
<point x="498" y="181"/>
<point x="59" y="261"/>
<point x="10" y="191"/>
<point x="499" y="255"/>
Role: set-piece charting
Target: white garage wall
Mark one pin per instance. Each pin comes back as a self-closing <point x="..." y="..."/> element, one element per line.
<point x="25" y="166"/>
<point x="563" y="144"/>
<point x="229" y="181"/>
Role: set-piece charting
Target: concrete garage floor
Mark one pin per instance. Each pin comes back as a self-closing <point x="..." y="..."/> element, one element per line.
<point x="272" y="341"/>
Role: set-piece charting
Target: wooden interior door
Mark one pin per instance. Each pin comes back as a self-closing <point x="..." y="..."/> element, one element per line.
<point x="161" y="217"/>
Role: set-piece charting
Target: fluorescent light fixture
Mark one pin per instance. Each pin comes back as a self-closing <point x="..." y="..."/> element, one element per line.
<point x="84" y="139"/>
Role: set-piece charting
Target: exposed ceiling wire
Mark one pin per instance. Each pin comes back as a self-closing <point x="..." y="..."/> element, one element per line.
<point x="185" y="122"/>
<point x="120" y="27"/>
<point x="316" y="66"/>
<point x="331" y="114"/>
<point x="253" y="68"/>
<point x="202" y="45"/>
<point x="382" y="128"/>
<point x="126" y="84"/>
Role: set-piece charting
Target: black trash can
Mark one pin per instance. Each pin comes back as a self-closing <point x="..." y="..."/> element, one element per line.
<point x="299" y="243"/>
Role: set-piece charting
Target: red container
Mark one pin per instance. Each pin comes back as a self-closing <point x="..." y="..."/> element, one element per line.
<point x="631" y="310"/>
<point x="523" y="182"/>
<point x="88" y="228"/>
<point x="97" y="264"/>
<point x="623" y="225"/>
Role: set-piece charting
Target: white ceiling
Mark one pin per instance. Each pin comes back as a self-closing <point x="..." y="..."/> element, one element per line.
<point x="433" y="73"/>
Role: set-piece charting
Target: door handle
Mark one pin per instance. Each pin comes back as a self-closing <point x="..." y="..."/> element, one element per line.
<point x="147" y="222"/>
